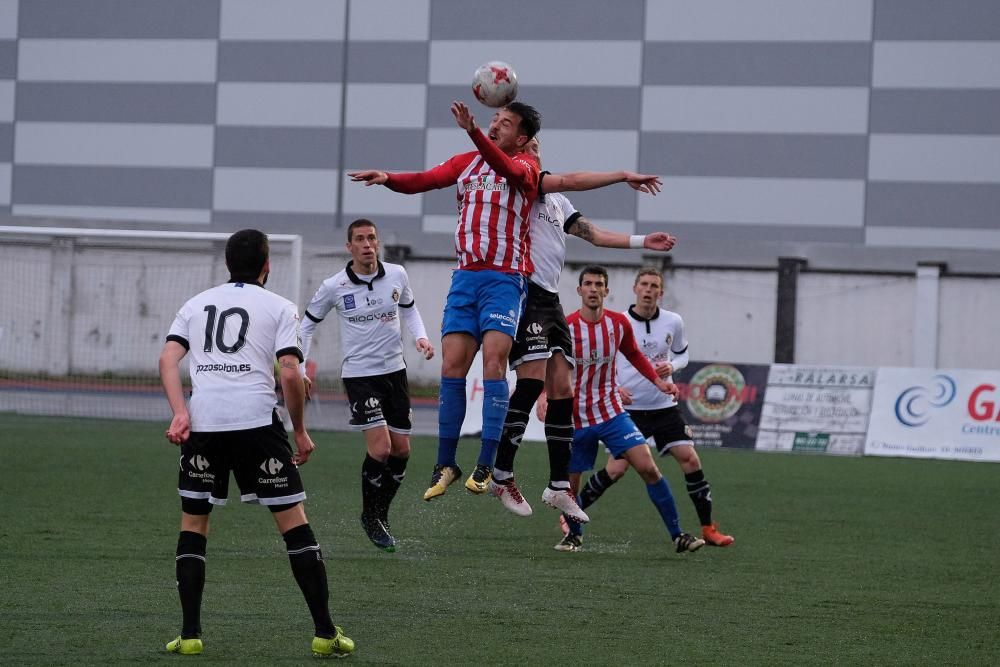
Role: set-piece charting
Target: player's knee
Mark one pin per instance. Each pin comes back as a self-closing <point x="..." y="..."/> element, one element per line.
<point x="687" y="457"/>
<point x="494" y="368"/>
<point x="650" y="474"/>
<point x="645" y="466"/>
<point x="400" y="449"/>
<point x="379" y="450"/>
<point x="453" y="368"/>
<point x="616" y="469"/>
<point x="558" y="386"/>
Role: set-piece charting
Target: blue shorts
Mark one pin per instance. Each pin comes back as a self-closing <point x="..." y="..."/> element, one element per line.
<point x="618" y="434"/>
<point x="480" y="301"/>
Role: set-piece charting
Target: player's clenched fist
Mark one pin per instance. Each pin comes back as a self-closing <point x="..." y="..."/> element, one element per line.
<point x="304" y="447"/>
<point x="180" y="429"/>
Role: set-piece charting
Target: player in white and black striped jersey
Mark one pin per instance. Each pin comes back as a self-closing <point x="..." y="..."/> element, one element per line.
<point x="661" y="338"/>
<point x="234" y="332"/>
<point x="370" y="297"/>
<point x="542" y="354"/>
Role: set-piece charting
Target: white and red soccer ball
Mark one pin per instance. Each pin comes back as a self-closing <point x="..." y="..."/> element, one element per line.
<point x="495" y="84"/>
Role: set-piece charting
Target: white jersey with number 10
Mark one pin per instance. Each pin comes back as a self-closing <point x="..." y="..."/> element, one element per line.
<point x="233" y="333"/>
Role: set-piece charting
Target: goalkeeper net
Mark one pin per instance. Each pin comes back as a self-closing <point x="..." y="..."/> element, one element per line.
<point x="86" y="312"/>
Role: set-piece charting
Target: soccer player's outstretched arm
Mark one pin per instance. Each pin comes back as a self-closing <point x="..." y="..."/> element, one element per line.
<point x="578" y="181"/>
<point x="408" y="183"/>
<point x="170" y="376"/>
<point x="581" y="227"/>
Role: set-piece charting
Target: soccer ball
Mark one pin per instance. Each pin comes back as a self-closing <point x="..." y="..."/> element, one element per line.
<point x="495" y="84"/>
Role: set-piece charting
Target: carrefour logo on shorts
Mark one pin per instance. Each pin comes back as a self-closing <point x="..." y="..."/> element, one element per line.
<point x="271" y="466"/>
<point x="915" y="405"/>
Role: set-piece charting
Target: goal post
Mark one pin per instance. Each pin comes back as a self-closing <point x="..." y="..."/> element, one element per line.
<point x="85" y="312"/>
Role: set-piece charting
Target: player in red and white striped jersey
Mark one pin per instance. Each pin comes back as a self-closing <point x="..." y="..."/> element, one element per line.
<point x="660" y="335"/>
<point x="598" y="336"/>
<point x="496" y="186"/>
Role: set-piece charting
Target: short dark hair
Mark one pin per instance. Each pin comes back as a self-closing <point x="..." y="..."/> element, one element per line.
<point x="360" y="222"/>
<point x="593" y="270"/>
<point x="649" y="271"/>
<point x="531" y="120"/>
<point x="246" y="253"/>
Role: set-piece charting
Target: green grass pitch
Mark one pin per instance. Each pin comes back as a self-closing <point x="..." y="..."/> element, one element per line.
<point x="836" y="561"/>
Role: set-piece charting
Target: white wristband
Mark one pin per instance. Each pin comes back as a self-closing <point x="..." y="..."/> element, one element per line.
<point x="637" y="241"/>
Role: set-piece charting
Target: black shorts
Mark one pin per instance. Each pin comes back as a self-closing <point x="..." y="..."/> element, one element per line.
<point x="380" y="400"/>
<point x="542" y="330"/>
<point x="259" y="458"/>
<point x="666" y="426"/>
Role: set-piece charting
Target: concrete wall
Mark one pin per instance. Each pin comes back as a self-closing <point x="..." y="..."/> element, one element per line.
<point x="87" y="307"/>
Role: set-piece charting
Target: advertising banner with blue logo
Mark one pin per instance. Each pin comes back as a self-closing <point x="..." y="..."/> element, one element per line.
<point x="821" y="409"/>
<point x="722" y="402"/>
<point x="935" y="414"/>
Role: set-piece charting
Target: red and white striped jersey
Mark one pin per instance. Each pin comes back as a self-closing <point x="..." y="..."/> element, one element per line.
<point x="595" y="346"/>
<point x="493" y="223"/>
<point x="495" y="192"/>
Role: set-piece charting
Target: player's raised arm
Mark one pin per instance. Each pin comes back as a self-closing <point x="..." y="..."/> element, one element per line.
<point x="522" y="172"/>
<point x="463" y="116"/>
<point x="408" y="183"/>
<point x="582" y="228"/>
<point x="578" y="181"/>
<point x="369" y="177"/>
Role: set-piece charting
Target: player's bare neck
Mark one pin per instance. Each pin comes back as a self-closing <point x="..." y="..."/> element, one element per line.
<point x="592" y="314"/>
<point x="365" y="269"/>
